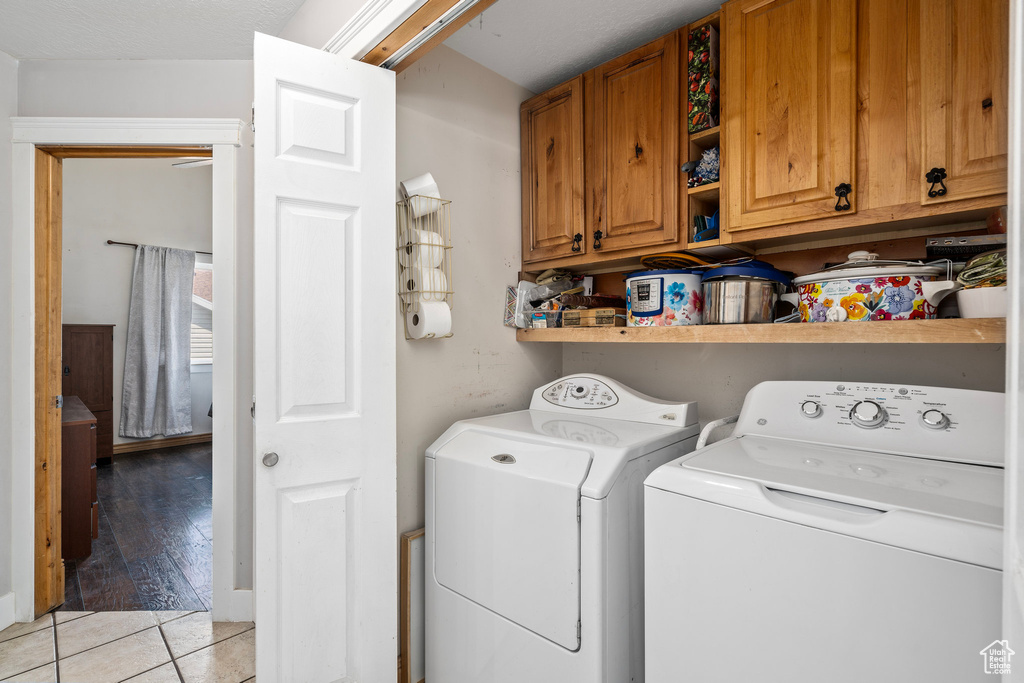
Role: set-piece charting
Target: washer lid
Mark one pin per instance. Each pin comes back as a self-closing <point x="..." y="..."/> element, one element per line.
<point x="945" y="509"/>
<point x="507" y="533"/>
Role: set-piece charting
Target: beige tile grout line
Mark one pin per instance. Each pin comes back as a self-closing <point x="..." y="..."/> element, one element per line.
<point x="53" y="634"/>
<point x="56" y="652"/>
<point x="205" y="647"/>
<point x="129" y="635"/>
<point x="174" y="660"/>
<point x="159" y="626"/>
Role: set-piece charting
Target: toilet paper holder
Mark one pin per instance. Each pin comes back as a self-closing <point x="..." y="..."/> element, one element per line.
<point x="424" y="266"/>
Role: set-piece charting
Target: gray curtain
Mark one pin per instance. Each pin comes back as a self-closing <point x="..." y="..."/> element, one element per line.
<point x="157" y="396"/>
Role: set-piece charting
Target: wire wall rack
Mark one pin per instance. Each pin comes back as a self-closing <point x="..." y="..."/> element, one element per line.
<point x="425" y="266"/>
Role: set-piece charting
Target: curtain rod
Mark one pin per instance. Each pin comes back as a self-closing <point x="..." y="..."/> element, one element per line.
<point x="130" y="244"/>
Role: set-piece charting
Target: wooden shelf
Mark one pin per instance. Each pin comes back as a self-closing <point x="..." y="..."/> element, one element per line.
<point x="949" y="331"/>
<point x="705" y="243"/>
<point x="705" y="193"/>
<point x="706" y="139"/>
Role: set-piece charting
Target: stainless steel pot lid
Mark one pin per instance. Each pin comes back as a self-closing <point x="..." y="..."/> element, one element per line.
<point x="745" y="269"/>
<point x="863" y="264"/>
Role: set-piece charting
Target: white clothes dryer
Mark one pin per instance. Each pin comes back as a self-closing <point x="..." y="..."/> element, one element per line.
<point x="534" y="535"/>
<point x="845" y="532"/>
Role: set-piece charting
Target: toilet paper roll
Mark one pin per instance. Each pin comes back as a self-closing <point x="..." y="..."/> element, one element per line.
<point x="423" y="249"/>
<point x="422" y="284"/>
<point x="429" y="318"/>
<point x="420" y="189"/>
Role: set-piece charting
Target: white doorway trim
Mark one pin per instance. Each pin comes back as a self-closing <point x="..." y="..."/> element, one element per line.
<point x="224" y="136"/>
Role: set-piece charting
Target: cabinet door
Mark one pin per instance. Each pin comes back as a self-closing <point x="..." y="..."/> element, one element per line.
<point x="633" y="150"/>
<point x="87" y="373"/>
<point x="552" y="154"/>
<point x="964" y="88"/>
<point x="790" y="109"/>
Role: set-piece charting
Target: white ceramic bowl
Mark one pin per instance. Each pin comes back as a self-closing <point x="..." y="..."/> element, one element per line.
<point x="982" y="302"/>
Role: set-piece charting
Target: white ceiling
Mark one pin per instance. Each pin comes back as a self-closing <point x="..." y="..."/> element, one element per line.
<point x="138" y="29"/>
<point x="540" y="43"/>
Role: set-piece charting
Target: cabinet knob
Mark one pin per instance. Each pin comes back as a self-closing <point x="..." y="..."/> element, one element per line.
<point x="270" y="459"/>
<point x="576" y="240"/>
<point x="597" y="239"/>
<point x="843" y="192"/>
<point x="935" y="177"/>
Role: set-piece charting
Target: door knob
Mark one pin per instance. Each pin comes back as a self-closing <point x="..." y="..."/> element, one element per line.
<point x="270" y="459"/>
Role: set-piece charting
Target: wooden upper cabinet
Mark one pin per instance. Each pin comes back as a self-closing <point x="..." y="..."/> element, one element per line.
<point x="790" y="117"/>
<point x="964" y="62"/>
<point x="633" y="122"/>
<point x="552" y="156"/>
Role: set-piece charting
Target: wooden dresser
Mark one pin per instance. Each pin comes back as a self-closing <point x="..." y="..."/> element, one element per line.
<point x="88" y="372"/>
<point x="79" y="506"/>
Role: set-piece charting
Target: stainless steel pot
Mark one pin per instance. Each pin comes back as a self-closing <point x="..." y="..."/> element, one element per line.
<point x="740" y="300"/>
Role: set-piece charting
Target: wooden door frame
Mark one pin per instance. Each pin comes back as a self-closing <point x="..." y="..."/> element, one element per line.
<point x="224" y="137"/>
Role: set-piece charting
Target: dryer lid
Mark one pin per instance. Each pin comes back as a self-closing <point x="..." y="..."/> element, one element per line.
<point x="610" y="443"/>
<point x="500" y="504"/>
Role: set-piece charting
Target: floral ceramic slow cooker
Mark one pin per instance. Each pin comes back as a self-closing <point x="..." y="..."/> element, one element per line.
<point x="865" y="288"/>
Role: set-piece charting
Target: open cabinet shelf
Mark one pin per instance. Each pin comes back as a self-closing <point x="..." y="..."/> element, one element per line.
<point x="948" y="331"/>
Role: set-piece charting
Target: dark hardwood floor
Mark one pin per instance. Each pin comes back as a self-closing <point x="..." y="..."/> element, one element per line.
<point x="154" y="548"/>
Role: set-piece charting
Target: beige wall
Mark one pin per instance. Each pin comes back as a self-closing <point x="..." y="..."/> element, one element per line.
<point x="161" y="88"/>
<point x="8" y="108"/>
<point x="145" y="201"/>
<point x="719" y="375"/>
<point x="460" y="122"/>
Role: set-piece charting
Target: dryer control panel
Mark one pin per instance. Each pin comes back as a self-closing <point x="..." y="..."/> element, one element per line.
<point x="607" y="398"/>
<point x="585" y="393"/>
<point x="959" y="425"/>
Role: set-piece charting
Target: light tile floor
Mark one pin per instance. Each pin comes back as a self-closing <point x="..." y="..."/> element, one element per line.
<point x="140" y="647"/>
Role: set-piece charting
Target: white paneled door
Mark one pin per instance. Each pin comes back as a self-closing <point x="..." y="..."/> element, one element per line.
<point x="325" y="525"/>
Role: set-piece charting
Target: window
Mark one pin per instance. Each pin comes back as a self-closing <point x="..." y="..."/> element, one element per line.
<point x="202" y="315"/>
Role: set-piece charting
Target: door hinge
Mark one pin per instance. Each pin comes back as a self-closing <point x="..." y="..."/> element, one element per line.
<point x="60" y="402"/>
<point x="252" y="122"/>
<point x="252" y="408"/>
<point x="579" y="628"/>
<point x="579" y="515"/>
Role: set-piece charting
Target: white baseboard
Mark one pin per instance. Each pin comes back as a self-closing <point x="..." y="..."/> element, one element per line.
<point x="6" y="610"/>
<point x="238" y="608"/>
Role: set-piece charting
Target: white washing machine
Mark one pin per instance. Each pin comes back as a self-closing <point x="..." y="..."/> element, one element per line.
<point x="534" y="535"/>
<point x="845" y="532"/>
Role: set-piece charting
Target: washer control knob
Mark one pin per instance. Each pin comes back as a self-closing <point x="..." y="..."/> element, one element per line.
<point x="810" y="409"/>
<point x="868" y="414"/>
<point x="934" y="419"/>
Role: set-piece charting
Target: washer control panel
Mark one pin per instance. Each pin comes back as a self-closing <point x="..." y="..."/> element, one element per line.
<point x="584" y="393"/>
<point x="935" y="422"/>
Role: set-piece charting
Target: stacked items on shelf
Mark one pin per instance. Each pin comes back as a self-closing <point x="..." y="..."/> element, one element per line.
<point x="984" y="286"/>
<point x="554" y="300"/>
<point x="705" y="171"/>
<point x="424" y="243"/>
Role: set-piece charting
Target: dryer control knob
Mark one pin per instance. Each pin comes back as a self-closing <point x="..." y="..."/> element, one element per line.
<point x="868" y="414"/>
<point x="810" y="409"/>
<point x="934" y="419"/>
